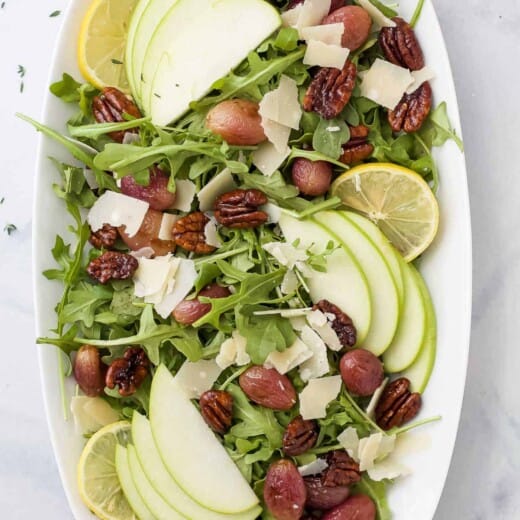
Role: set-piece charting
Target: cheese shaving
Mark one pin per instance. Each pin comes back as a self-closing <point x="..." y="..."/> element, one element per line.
<point x="218" y="185"/>
<point x="198" y="377"/>
<point x="419" y="77"/>
<point x="316" y="396"/>
<point x="325" y="55"/>
<point x="268" y="159"/>
<point x="330" y="34"/>
<point x="379" y="19"/>
<point x="184" y="195"/>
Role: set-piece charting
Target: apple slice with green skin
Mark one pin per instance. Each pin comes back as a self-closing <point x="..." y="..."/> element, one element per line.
<point x="412" y="329"/>
<point x="154" y="11"/>
<point x="344" y="283"/>
<point x="201" y="42"/>
<point x="383" y="291"/>
<point x="420" y="371"/>
<point x="391" y="255"/>
<point x="165" y="484"/>
<point x="154" y="502"/>
<point x="129" y="50"/>
<point x="128" y="486"/>
<point x="191" y="453"/>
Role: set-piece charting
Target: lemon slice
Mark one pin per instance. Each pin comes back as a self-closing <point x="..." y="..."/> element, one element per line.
<point x="397" y="199"/>
<point x="102" y="42"/>
<point x="98" y="482"/>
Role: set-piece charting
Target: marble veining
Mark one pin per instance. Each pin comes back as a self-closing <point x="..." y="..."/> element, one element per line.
<point x="483" y="39"/>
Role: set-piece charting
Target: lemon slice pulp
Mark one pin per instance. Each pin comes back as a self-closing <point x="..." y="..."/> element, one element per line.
<point x="102" y="42"/>
<point x="395" y="198"/>
<point x="98" y="483"/>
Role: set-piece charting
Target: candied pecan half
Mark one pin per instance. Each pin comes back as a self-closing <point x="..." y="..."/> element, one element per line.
<point x="330" y="90"/>
<point x="397" y="405"/>
<point x="240" y="209"/>
<point x="357" y="148"/>
<point x="342" y="324"/>
<point x="216" y="407"/>
<point x="188" y="233"/>
<point x="300" y="436"/>
<point x="400" y="45"/>
<point x="128" y="372"/>
<point x="110" y="106"/>
<point x="413" y="109"/>
<point x="112" y="265"/>
<point x="104" y="238"/>
<point x="343" y="470"/>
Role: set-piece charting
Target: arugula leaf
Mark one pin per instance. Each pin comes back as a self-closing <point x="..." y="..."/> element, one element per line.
<point x="437" y="128"/>
<point x="387" y="11"/>
<point x="287" y="39"/>
<point x="95" y="130"/>
<point x="83" y="302"/>
<point x="75" y="188"/>
<point x="377" y="492"/>
<point x="189" y="344"/>
<point x="274" y="186"/>
<point x="329" y="136"/>
<point x="66" y="89"/>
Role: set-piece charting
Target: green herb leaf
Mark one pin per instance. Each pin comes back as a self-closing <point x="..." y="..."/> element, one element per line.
<point x="437" y="129"/>
<point x="10" y="229"/>
<point x="377" y="492"/>
<point x="329" y="136"/>
<point x="83" y="302"/>
<point x="55" y="13"/>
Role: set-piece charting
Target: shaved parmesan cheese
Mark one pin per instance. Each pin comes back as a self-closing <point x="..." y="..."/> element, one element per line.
<point x="316" y="396"/>
<point x="290" y="358"/>
<point x="184" y="280"/>
<point x="273" y="211"/>
<point x="131" y="138"/>
<point x="314" y="468"/>
<point x="117" y="210"/>
<point x="371" y="408"/>
<point x="184" y="195"/>
<point x="290" y="17"/>
<point x="319" y="322"/>
<point x="325" y="55"/>
<point x="386" y="83"/>
<point x="330" y="34"/>
<point x="282" y="104"/>
<point x="268" y="159"/>
<point x="277" y="134"/>
<point x="198" y="377"/>
<point x="90" y="178"/>
<point x="377" y="16"/>
<point x="233" y="351"/>
<point x="386" y="446"/>
<point x="221" y="183"/>
<point x="298" y="322"/>
<point x="152" y="275"/>
<point x="211" y="234"/>
<point x="91" y="413"/>
<point x="286" y="254"/>
<point x="350" y="441"/>
<point x="289" y="283"/>
<point x="388" y="469"/>
<point x="368" y="450"/>
<point x="166" y="230"/>
<point x="313" y="12"/>
<point x="419" y="77"/>
<point x="318" y="364"/>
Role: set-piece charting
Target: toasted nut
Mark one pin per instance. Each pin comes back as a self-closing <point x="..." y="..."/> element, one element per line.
<point x="357" y="23"/>
<point x="189" y="311"/>
<point x="104" y="238"/>
<point x="312" y="178"/>
<point x="240" y="209"/>
<point x="188" y="233"/>
<point x="89" y="371"/>
<point x="112" y="265"/>
<point x="323" y="497"/>
<point x="412" y="111"/>
<point x="397" y="404"/>
<point x="400" y="45"/>
<point x="357" y="148"/>
<point x="284" y="491"/>
<point x="342" y="324"/>
<point x="269" y="388"/>
<point x="300" y="436"/>
<point x="359" y="507"/>
<point x="343" y="470"/>
<point x="361" y="371"/>
<point x="216" y="407"/>
<point x="128" y="372"/>
<point x="237" y="121"/>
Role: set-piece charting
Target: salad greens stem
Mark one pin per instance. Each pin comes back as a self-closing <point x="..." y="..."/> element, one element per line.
<point x="325" y="449"/>
<point x="416" y="424"/>
<point x="233" y="376"/>
<point x="219" y="256"/>
<point x="95" y="130"/>
<point x="417" y="13"/>
<point x="435" y="171"/>
<point x="363" y="414"/>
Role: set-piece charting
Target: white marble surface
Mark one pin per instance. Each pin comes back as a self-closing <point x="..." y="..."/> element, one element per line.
<point x="483" y="39"/>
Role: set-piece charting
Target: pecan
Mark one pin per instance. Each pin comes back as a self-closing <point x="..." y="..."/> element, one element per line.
<point x="112" y="265"/>
<point x="104" y="238"/>
<point x="330" y="90"/>
<point x="397" y="405"/>
<point x="188" y="233"/>
<point x="357" y="148"/>
<point x="343" y="470"/>
<point x="239" y="209"/>
<point x="413" y="109"/>
<point x="400" y="45"/>
<point x="110" y="106"/>
<point x="342" y="324"/>
<point x="300" y="436"/>
<point x="128" y="372"/>
<point x="216" y="407"/>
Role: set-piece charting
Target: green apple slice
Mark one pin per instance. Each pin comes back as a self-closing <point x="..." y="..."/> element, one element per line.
<point x="391" y="255"/>
<point x="153" y="13"/>
<point x="344" y="283"/>
<point x="128" y="486"/>
<point x="202" y="42"/>
<point x="165" y="484"/>
<point x="383" y="291"/>
<point x="420" y="371"/>
<point x="411" y="332"/>
<point x="155" y="502"/>
<point x="191" y="452"/>
<point x="132" y="29"/>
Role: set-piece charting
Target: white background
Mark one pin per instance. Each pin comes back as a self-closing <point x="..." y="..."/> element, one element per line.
<point x="483" y="39"/>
